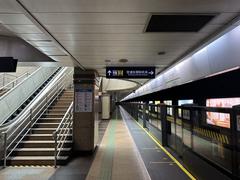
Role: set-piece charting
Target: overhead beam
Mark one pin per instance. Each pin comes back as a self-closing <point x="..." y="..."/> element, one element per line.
<point x="19" y="49"/>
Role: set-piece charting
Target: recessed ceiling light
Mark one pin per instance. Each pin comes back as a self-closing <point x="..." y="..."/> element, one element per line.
<point x="122" y="60"/>
<point x="107" y="60"/>
<point x="161" y="52"/>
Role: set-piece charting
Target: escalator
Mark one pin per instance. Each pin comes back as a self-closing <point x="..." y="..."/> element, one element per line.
<point x="14" y="101"/>
<point x="30" y="99"/>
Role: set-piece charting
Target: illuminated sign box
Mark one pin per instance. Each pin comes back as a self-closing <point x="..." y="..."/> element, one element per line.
<point x="130" y="72"/>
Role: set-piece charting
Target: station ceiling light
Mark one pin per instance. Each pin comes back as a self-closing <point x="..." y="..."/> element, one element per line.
<point x="123" y="60"/>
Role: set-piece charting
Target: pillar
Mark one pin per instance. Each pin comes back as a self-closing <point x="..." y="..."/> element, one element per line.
<point x="86" y="107"/>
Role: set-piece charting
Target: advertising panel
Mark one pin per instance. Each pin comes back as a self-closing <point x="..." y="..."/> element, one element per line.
<point x="220" y="119"/>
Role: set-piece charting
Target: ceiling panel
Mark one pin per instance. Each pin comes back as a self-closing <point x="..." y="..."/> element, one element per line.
<point x="42" y="43"/>
<point x="102" y="49"/>
<point x="34" y="36"/>
<point x="49" y="48"/>
<point x="62" y="58"/>
<point x="5" y="32"/>
<point x="95" y="28"/>
<point x="53" y="52"/>
<point x="126" y="43"/>
<point x="223" y="18"/>
<point x="132" y="6"/>
<point x="135" y="61"/>
<point x="131" y="37"/>
<point x="14" y="19"/>
<point x="24" y="28"/>
<point x="9" y="6"/>
<point x="92" y="18"/>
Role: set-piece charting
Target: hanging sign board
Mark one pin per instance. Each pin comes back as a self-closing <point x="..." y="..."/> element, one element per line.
<point x="130" y="72"/>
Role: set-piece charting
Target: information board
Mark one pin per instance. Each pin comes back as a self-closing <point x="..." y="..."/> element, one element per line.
<point x="83" y="100"/>
<point x="130" y="72"/>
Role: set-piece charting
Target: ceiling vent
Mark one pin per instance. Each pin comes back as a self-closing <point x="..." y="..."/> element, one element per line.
<point x="178" y="22"/>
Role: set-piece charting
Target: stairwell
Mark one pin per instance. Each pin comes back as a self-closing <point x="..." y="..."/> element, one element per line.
<point x="37" y="147"/>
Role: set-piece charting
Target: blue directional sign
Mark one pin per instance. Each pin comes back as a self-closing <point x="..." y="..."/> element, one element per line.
<point x="130" y="72"/>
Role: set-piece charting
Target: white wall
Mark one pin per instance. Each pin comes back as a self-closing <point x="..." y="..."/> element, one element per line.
<point x="117" y="85"/>
<point x="220" y="55"/>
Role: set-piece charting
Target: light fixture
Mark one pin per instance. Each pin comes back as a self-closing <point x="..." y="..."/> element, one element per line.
<point x="107" y="60"/>
<point x="123" y="60"/>
<point x="161" y="52"/>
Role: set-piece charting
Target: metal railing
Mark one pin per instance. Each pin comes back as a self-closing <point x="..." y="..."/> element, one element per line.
<point x="13" y="83"/>
<point x="61" y="134"/>
<point x="13" y="133"/>
<point x="6" y="78"/>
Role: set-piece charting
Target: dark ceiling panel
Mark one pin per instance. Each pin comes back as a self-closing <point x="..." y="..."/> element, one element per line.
<point x="178" y="22"/>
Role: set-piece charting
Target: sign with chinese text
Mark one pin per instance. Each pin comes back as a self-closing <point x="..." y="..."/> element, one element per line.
<point x="130" y="72"/>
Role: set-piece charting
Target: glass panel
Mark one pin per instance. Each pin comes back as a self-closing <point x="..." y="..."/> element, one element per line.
<point x="171" y="136"/>
<point x="179" y="134"/>
<point x="187" y="134"/>
<point x="211" y="149"/>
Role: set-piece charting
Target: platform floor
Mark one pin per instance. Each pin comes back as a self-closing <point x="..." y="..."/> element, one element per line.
<point x="117" y="157"/>
<point x="126" y="152"/>
<point x="158" y="163"/>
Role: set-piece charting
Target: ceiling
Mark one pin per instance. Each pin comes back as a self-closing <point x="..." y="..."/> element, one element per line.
<point x="88" y="32"/>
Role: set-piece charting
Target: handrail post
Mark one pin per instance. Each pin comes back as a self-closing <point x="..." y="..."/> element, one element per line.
<point x="3" y="79"/>
<point x="55" y="150"/>
<point x="5" y="149"/>
<point x="30" y="124"/>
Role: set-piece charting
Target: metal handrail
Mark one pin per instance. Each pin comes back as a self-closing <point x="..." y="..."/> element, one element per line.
<point x="61" y="133"/>
<point x="4" y="77"/>
<point x="27" y="121"/>
<point x="14" y="82"/>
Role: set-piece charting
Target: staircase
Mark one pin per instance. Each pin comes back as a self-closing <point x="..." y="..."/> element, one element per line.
<point x="37" y="147"/>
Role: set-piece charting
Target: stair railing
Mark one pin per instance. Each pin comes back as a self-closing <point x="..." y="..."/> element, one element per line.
<point x="61" y="134"/>
<point x="5" y="78"/>
<point x="16" y="131"/>
<point x="13" y="83"/>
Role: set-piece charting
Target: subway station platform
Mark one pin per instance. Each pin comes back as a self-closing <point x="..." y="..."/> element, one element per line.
<point x="126" y="152"/>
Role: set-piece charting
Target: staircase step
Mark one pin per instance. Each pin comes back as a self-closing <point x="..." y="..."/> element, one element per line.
<point x="39" y="151"/>
<point x="38" y="137"/>
<point x="53" y="115"/>
<point x="46" y="125"/>
<point x="58" y="110"/>
<point x="64" y="103"/>
<point x="42" y="144"/>
<point x="43" y="130"/>
<point x="49" y="120"/>
<point x="41" y="137"/>
<point x="35" y="160"/>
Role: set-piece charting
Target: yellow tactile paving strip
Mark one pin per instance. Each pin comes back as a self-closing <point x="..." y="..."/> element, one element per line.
<point x="117" y="157"/>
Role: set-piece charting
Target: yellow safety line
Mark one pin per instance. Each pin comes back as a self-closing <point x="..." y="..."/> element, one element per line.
<point x="173" y="158"/>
